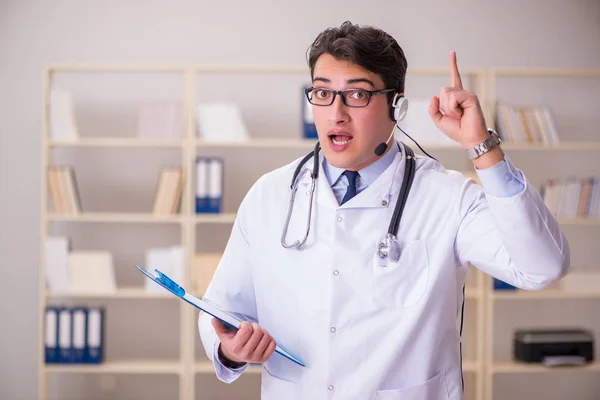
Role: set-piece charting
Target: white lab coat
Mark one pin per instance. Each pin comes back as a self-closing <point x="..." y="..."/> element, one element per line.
<point x="367" y="331"/>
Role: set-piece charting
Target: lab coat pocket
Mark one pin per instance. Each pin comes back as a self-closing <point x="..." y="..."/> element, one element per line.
<point x="273" y="387"/>
<point x="404" y="282"/>
<point x="433" y="389"/>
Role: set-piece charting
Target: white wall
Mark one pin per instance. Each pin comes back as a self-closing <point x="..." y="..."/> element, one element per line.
<point x="552" y="33"/>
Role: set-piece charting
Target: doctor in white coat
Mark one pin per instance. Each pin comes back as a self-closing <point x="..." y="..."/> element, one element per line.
<point x="369" y="327"/>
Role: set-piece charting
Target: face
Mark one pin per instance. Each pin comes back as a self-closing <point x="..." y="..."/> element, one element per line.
<point x="349" y="136"/>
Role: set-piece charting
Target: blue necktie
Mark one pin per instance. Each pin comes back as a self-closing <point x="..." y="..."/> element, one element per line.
<point x="351" y="191"/>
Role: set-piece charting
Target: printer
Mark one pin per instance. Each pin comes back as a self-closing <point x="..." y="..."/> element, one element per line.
<point x="554" y="346"/>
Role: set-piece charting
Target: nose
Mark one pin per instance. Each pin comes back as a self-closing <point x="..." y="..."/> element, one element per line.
<point x="338" y="112"/>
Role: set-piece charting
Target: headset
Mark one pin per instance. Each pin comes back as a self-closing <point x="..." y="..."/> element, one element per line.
<point x="398" y="110"/>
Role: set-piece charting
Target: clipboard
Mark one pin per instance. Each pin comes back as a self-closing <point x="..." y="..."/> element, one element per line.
<point x="231" y="320"/>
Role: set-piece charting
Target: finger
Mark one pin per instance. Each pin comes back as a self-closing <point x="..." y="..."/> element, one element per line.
<point x="269" y="351"/>
<point x="221" y="330"/>
<point x="455" y="80"/>
<point x="249" y="349"/>
<point x="434" y="111"/>
<point x="262" y="346"/>
<point x="444" y="95"/>
<point x="454" y="101"/>
<point x="241" y="337"/>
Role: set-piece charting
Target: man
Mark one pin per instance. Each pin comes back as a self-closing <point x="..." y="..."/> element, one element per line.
<point x="367" y="327"/>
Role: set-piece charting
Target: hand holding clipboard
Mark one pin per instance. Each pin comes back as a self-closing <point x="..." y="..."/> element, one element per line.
<point x="229" y="320"/>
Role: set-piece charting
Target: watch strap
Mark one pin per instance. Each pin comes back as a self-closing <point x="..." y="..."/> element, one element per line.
<point x="492" y="141"/>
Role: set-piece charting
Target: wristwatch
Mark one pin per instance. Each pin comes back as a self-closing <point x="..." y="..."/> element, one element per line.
<point x="492" y="141"/>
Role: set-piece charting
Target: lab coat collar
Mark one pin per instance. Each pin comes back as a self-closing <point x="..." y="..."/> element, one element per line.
<point x="369" y="174"/>
<point x="376" y="195"/>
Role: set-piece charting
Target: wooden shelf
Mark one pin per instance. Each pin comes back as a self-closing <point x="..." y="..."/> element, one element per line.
<point x="115" y="142"/>
<point x="124" y="293"/>
<point x="294" y="143"/>
<point x="511" y="146"/>
<point x="470" y="366"/>
<point x="505" y="367"/>
<point x="541" y="294"/>
<point x="590" y="146"/>
<point x="115" y="217"/>
<point x="206" y="367"/>
<point x="222" y="218"/>
<point x="578" y="221"/>
<point x="119" y="367"/>
<point x="266" y="143"/>
<point x="472" y="293"/>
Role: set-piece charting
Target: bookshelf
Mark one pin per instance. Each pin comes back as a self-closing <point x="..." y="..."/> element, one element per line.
<point x="573" y="148"/>
<point x="478" y="365"/>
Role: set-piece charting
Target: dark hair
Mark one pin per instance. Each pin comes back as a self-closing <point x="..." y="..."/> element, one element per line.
<point x="369" y="47"/>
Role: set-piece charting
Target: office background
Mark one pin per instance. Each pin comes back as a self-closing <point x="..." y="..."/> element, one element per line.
<point x="485" y="34"/>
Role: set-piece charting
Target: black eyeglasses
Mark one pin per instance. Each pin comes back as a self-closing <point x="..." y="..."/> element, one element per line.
<point x="350" y="97"/>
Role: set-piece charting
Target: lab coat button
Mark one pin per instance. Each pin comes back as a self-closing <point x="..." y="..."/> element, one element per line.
<point x="384" y="203"/>
<point x="332" y="329"/>
<point x="336" y="272"/>
<point x="330" y="387"/>
<point x="339" y="219"/>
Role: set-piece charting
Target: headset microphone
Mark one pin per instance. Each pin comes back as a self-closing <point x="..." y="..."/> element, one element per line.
<point x="398" y="112"/>
<point x="381" y="147"/>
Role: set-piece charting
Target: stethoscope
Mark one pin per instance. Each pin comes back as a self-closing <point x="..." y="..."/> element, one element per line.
<point x="388" y="248"/>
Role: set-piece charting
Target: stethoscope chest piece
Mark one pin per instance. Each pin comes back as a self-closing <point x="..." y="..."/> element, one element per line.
<point x="390" y="249"/>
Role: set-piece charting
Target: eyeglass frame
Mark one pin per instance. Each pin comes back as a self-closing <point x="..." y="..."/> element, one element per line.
<point x="341" y="93"/>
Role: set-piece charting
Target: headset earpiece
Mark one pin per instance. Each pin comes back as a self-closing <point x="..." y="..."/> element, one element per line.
<point x="399" y="107"/>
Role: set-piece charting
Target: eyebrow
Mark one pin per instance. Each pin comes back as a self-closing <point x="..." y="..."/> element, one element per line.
<point x="349" y="81"/>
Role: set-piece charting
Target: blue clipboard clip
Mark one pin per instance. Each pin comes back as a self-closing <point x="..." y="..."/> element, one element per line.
<point x="229" y="319"/>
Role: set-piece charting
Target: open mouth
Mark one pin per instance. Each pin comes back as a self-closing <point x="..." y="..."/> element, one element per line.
<point x="340" y="139"/>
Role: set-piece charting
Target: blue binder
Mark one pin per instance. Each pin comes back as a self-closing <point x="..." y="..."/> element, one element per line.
<point x="95" y="335"/>
<point x="65" y="336"/>
<point x="79" y="341"/>
<point x="309" y="128"/>
<point x="51" y="335"/>
<point x="501" y="285"/>
<point x="201" y="185"/>
<point x="209" y="184"/>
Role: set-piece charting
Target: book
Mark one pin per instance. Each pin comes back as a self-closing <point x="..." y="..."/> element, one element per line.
<point x="167" y="198"/>
<point x="230" y="319"/>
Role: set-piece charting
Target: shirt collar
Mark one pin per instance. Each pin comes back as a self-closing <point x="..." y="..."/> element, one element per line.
<point x="369" y="174"/>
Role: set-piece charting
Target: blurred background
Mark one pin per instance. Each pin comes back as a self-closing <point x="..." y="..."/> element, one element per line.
<point x="115" y="70"/>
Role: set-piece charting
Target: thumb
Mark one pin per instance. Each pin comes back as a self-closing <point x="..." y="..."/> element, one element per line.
<point x="222" y="331"/>
<point x="434" y="111"/>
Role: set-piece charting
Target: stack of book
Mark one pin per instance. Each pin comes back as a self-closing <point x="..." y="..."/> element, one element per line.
<point x="573" y="197"/>
<point x="534" y="124"/>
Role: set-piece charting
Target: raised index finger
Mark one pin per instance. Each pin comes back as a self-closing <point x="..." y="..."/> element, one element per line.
<point x="455" y="80"/>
